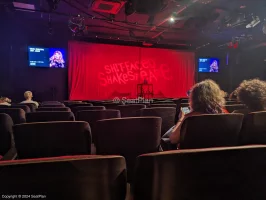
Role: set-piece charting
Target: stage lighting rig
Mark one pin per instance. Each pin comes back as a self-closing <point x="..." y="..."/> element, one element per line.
<point x="255" y="21"/>
<point x="76" y="24"/>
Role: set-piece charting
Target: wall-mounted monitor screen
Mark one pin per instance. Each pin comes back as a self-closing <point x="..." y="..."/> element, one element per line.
<point x="208" y="65"/>
<point x="46" y="57"/>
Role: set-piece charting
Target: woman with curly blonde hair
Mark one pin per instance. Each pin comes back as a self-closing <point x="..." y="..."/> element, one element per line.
<point x="253" y="94"/>
<point x="206" y="98"/>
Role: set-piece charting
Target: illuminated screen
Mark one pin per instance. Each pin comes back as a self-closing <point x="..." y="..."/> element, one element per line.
<point x="208" y="65"/>
<point x="46" y="57"/>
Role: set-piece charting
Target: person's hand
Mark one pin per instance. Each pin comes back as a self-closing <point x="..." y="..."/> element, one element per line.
<point x="181" y="116"/>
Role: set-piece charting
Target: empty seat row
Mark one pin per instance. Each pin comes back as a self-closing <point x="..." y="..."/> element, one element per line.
<point x="126" y="136"/>
<point x="205" y="174"/>
<point x="19" y="116"/>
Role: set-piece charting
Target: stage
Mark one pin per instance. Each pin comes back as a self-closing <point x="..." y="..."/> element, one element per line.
<point x="102" y="71"/>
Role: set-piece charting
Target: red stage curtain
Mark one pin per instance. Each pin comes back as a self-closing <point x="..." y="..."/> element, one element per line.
<point x="101" y="71"/>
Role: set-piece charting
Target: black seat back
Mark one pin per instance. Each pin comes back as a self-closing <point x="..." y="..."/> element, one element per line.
<point x="254" y="128"/>
<point x="51" y="139"/>
<point x="202" y="174"/>
<point x="65" y="178"/>
<point x="47" y="116"/>
<point x="17" y="114"/>
<point x="204" y="131"/>
<point x="6" y="133"/>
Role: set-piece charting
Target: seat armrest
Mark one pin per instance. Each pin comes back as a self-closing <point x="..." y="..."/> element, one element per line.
<point x="10" y="155"/>
<point x="167" y="145"/>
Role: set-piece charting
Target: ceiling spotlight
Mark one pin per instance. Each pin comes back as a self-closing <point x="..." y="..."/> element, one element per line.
<point x="171" y="19"/>
<point x="255" y="21"/>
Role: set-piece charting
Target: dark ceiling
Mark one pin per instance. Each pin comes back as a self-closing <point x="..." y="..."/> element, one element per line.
<point x="195" y="23"/>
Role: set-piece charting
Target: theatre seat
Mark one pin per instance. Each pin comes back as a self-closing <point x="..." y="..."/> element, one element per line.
<point x="82" y="108"/>
<point x="166" y="113"/>
<point x="204" y="131"/>
<point x="17" y="114"/>
<point x="53" y="109"/>
<point x="50" y="102"/>
<point x="128" y="137"/>
<point x="254" y="129"/>
<point x="4" y="106"/>
<point x="169" y="105"/>
<point x="50" y="139"/>
<point x="231" y="103"/>
<point x="72" y="102"/>
<point x="67" y="103"/>
<point x="231" y="108"/>
<point x="111" y="105"/>
<point x="131" y="110"/>
<point x="71" y="106"/>
<point x="32" y="106"/>
<point x="52" y="105"/>
<point x="92" y="116"/>
<point x="23" y="107"/>
<point x="7" y="147"/>
<point x="65" y="178"/>
<point x="232" y="173"/>
<point x="48" y="116"/>
<point x="163" y="102"/>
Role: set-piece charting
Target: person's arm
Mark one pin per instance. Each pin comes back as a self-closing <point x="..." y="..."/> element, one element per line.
<point x="175" y="135"/>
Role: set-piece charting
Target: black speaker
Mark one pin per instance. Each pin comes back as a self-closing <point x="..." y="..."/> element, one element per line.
<point x="149" y="7"/>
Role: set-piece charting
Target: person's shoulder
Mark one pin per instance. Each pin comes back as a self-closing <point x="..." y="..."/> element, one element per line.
<point x="35" y="102"/>
<point x="193" y="114"/>
<point x="225" y="111"/>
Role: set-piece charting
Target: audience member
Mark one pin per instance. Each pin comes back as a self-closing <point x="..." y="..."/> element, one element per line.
<point x="206" y="98"/>
<point x="253" y="94"/>
<point x="28" y="96"/>
<point x="226" y="96"/>
<point x="233" y="96"/>
<point x="4" y="101"/>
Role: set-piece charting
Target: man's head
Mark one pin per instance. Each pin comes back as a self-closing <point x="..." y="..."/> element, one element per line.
<point x="28" y="95"/>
